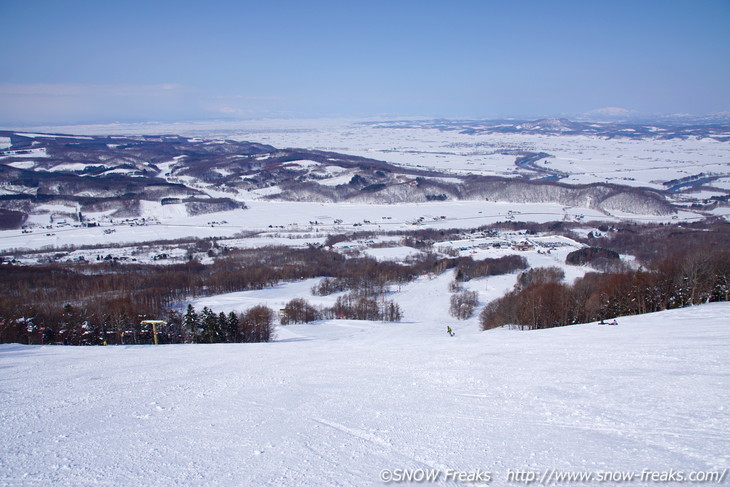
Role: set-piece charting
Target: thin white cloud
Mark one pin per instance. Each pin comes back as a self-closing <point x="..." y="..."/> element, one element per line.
<point x="611" y="112"/>
<point x="241" y="105"/>
<point x="33" y="103"/>
<point x="40" y="103"/>
<point x="81" y="89"/>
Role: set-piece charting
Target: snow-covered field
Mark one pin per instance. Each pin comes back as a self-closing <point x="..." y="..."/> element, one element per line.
<point x="281" y="223"/>
<point x="342" y="403"/>
<point x="586" y="159"/>
<point x="273" y="217"/>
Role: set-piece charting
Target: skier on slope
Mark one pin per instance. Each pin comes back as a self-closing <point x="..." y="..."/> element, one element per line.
<point x="449" y="331"/>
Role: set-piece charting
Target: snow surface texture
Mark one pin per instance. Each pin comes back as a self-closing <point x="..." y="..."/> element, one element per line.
<point x="336" y="402"/>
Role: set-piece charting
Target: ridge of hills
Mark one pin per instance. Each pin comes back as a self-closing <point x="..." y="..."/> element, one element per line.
<point x="113" y="174"/>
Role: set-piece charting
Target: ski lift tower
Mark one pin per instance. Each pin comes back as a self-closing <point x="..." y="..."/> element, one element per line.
<point x="154" y="324"/>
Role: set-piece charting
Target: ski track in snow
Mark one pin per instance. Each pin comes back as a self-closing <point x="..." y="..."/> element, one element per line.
<point x="334" y="403"/>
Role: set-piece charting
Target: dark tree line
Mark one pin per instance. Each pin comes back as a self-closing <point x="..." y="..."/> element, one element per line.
<point x="74" y="327"/>
<point x="651" y="242"/>
<point x="591" y="255"/>
<point x="368" y="277"/>
<point x="101" y="299"/>
<point x="111" y="296"/>
<point x="676" y="280"/>
<point x="255" y="325"/>
<point x="351" y="306"/>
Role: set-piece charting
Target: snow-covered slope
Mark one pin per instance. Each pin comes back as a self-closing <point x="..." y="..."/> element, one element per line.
<point x="336" y="403"/>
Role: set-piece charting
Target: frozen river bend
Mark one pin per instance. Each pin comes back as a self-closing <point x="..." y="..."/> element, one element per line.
<point x="338" y="402"/>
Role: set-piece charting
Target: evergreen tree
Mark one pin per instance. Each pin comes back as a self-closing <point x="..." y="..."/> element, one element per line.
<point x="191" y="324"/>
<point x="211" y="326"/>
<point x="174" y="331"/>
<point x="232" y="324"/>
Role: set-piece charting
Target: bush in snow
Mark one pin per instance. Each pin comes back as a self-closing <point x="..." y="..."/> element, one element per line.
<point x="257" y="325"/>
<point x="539" y="275"/>
<point x="330" y="285"/>
<point x="455" y="286"/>
<point x="298" y="310"/>
<point x="588" y="255"/>
<point x="353" y="307"/>
<point x="463" y="304"/>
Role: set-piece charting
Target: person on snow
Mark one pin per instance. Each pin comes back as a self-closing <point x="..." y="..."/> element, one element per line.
<point x="614" y="322"/>
<point x="449" y="331"/>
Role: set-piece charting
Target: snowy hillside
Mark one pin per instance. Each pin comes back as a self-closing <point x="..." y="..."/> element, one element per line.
<point x="124" y="189"/>
<point x="645" y="155"/>
<point x="122" y="177"/>
<point x="340" y="402"/>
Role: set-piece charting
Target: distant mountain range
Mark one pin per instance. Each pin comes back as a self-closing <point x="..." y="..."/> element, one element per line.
<point x="115" y="175"/>
<point x="715" y="127"/>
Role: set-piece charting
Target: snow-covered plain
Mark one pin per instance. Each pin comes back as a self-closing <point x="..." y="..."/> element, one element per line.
<point x="290" y="223"/>
<point x="585" y="159"/>
<point x="337" y="402"/>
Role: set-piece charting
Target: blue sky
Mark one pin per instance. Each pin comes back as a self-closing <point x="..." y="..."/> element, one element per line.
<point x="96" y="61"/>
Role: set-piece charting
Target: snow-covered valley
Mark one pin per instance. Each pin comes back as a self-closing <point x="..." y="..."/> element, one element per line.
<point x="343" y="402"/>
<point x="689" y="172"/>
